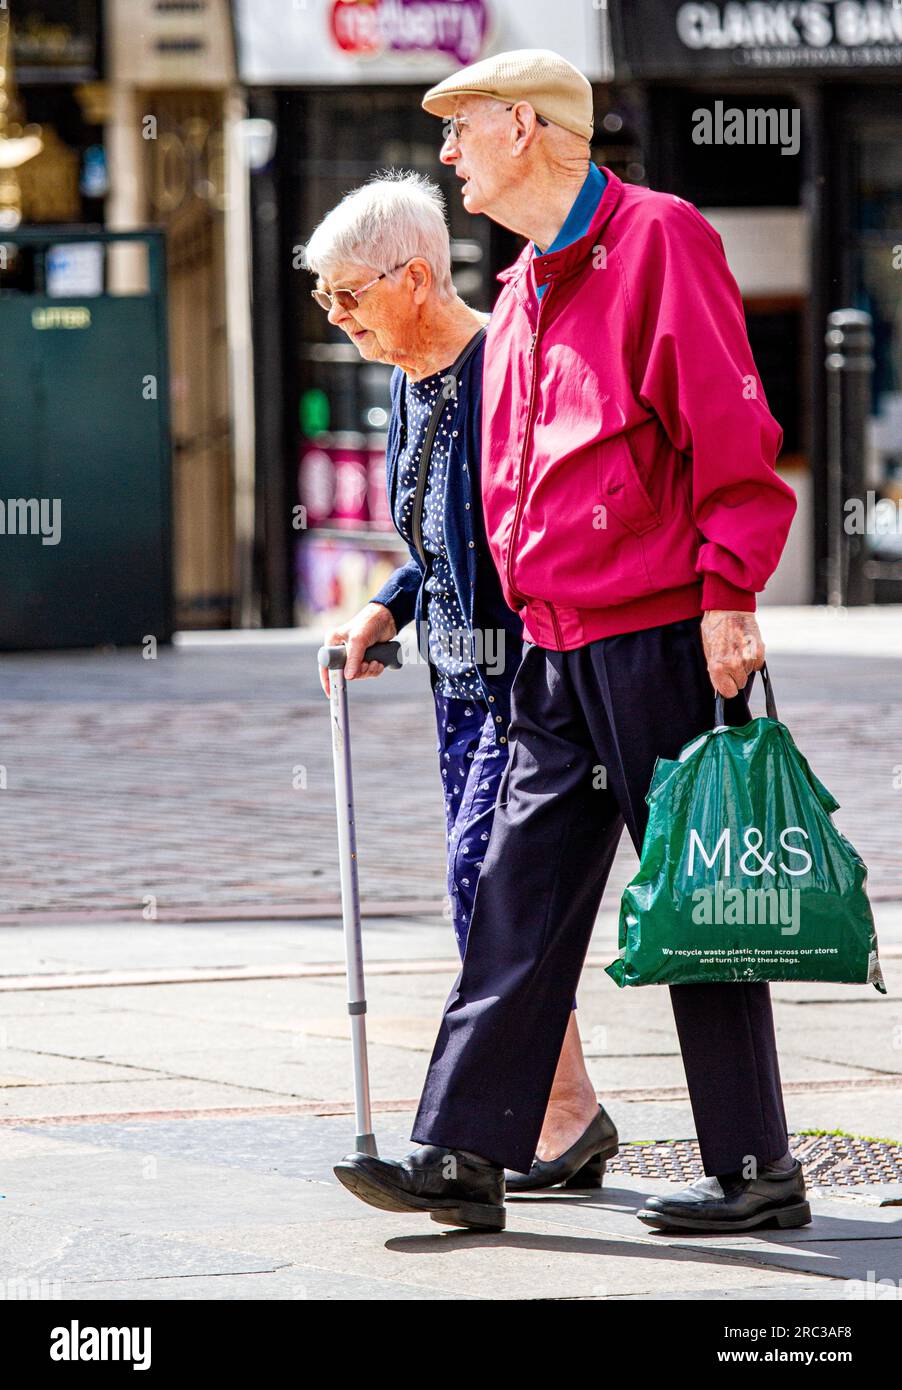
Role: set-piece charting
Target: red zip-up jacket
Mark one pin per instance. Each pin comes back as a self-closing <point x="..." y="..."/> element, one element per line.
<point x="628" y="452"/>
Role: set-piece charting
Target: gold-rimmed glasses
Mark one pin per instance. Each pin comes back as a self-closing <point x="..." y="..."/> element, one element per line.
<point x="349" y="299"/>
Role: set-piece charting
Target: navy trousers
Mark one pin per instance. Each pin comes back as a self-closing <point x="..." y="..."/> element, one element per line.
<point x="586" y="728"/>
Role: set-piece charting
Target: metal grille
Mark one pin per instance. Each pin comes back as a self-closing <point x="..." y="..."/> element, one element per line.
<point x="830" y="1160"/>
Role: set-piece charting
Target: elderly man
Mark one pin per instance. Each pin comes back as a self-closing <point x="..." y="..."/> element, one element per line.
<point x="633" y="512"/>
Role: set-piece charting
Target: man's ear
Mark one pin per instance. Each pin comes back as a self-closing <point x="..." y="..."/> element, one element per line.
<point x="523" y="127"/>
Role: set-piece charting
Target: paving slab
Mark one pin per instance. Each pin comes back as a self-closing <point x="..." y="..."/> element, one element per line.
<point x="299" y="1283"/>
<point x="20" y="1067"/>
<point x="528" y="1260"/>
<point x="886" y="1194"/>
<point x="873" y="1114"/>
<point x="156" y="1093"/>
<point x="115" y="1206"/>
<point x="800" y="1290"/>
<point x="131" y="941"/>
<point x="82" y="1255"/>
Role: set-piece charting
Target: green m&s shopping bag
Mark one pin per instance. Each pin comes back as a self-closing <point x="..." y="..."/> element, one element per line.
<point x="743" y="875"/>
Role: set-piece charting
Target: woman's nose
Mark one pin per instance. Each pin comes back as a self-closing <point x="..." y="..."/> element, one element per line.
<point x="337" y="314"/>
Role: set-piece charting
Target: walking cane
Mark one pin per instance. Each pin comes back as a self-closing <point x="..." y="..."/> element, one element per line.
<point x="332" y="659"/>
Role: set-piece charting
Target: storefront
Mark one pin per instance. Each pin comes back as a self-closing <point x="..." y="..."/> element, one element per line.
<point x="341" y="82"/>
<point x="171" y="94"/>
<point x="808" y="200"/>
<point x="50" y="82"/>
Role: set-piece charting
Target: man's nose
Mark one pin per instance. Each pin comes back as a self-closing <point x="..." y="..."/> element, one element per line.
<point x="450" y="151"/>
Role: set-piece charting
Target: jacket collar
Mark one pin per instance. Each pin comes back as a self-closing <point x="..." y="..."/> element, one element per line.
<point x="569" y="259"/>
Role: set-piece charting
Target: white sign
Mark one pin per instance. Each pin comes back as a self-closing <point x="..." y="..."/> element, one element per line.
<point x="349" y="42"/>
<point x="74" y="269"/>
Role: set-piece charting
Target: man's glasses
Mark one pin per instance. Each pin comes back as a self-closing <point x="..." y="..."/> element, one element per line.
<point x="452" y="128"/>
<point x="541" y="119"/>
<point x="349" y="299"/>
<point x="454" y="124"/>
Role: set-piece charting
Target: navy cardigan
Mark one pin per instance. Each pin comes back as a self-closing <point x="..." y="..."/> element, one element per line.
<point x="475" y="576"/>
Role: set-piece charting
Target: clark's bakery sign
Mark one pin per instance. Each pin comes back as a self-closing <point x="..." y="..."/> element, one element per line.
<point x="666" y="38"/>
<point x="347" y="42"/>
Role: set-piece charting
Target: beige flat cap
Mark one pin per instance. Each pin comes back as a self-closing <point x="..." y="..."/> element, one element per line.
<point x="552" y="86"/>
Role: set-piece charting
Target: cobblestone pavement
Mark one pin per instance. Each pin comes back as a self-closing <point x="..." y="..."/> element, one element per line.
<point x="203" y="780"/>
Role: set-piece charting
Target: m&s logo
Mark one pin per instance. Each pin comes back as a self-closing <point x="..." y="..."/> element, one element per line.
<point x="752" y="861"/>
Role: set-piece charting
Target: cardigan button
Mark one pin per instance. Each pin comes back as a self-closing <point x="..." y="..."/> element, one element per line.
<point x="491" y="699"/>
<point x="502" y="739"/>
<point x="472" y="545"/>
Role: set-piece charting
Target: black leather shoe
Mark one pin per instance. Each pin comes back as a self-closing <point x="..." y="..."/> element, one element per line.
<point x="456" y="1188"/>
<point x="581" y="1166"/>
<point x="775" y="1198"/>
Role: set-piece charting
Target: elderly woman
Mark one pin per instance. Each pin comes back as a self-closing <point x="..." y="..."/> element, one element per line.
<point x="382" y="258"/>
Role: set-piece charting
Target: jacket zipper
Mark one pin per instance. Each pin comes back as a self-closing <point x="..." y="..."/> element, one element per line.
<point x="521" y="479"/>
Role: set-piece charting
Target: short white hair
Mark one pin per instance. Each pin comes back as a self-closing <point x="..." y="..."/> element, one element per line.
<point x="391" y="219"/>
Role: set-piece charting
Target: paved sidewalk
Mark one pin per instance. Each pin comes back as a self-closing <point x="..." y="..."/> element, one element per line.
<point x="175" y="1075"/>
<point x="175" y="1140"/>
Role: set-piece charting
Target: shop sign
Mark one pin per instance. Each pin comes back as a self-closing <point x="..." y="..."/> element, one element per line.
<point x="54" y="40"/>
<point x="370" y="28"/>
<point x="416" y="41"/>
<point x="668" y="38"/>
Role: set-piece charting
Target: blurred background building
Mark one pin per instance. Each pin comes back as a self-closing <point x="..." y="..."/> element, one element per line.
<point x="232" y="128"/>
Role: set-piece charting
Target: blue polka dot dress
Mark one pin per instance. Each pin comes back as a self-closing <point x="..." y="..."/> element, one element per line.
<point x="470" y="759"/>
<point x="450" y="646"/>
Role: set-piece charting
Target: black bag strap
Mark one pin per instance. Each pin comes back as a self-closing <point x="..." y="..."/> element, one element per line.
<point x="770" y="703"/>
<point x="419" y="496"/>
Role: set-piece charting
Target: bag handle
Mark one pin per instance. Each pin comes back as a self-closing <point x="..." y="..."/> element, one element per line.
<point x="419" y="497"/>
<point x="770" y="703"/>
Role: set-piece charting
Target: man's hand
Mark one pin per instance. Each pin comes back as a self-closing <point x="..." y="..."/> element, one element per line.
<point x="733" y="649"/>
<point x="374" y="623"/>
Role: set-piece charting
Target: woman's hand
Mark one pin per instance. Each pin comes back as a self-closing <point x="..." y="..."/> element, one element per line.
<point x="374" y="623"/>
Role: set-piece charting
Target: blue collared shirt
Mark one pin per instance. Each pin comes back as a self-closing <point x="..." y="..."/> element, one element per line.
<point x="579" y="218"/>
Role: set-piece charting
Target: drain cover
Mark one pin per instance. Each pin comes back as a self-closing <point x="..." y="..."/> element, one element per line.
<point x="830" y="1160"/>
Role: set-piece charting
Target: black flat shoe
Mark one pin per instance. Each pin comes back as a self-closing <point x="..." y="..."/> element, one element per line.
<point x="581" y="1166"/>
<point x="776" y="1197"/>
<point x="455" y="1188"/>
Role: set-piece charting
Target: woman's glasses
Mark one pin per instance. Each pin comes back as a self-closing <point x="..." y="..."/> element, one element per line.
<point x="349" y="299"/>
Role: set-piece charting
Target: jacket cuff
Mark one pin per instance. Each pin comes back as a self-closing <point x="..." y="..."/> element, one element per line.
<point x="400" y="604"/>
<point x="718" y="592"/>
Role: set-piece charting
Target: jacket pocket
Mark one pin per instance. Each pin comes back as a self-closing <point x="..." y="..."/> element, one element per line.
<point x="621" y="488"/>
